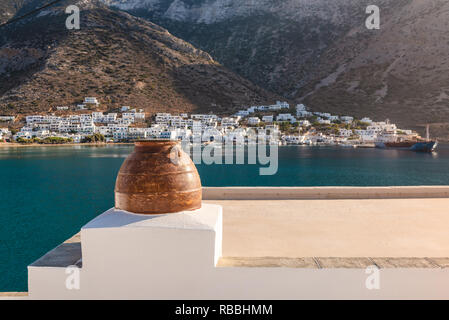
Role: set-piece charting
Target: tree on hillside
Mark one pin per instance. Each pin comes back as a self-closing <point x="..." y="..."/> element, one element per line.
<point x="97" y="137"/>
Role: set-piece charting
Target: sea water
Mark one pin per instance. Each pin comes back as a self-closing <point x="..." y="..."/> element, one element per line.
<point x="48" y="193"/>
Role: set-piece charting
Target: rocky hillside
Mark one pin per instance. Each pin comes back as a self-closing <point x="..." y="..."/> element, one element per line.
<point x="121" y="59"/>
<point x="320" y="51"/>
<point x="8" y="9"/>
<point x="276" y="43"/>
<point x="399" y="71"/>
<point x="313" y="51"/>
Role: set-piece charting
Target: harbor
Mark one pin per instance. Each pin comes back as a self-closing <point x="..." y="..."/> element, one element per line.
<point x="279" y="123"/>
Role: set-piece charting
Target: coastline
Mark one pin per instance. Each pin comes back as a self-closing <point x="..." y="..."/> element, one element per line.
<point x="104" y="144"/>
<point x="21" y="145"/>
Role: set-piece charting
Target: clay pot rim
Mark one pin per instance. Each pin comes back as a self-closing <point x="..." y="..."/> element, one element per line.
<point x="156" y="142"/>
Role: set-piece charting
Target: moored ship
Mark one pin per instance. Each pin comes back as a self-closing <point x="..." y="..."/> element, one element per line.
<point x="426" y="146"/>
<point x="400" y="144"/>
<point x="391" y="140"/>
<point x="418" y="146"/>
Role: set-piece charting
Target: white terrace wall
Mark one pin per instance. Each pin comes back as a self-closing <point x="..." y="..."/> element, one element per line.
<point x="128" y="256"/>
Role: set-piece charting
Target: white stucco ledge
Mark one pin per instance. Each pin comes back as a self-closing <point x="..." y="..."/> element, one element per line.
<point x="314" y="193"/>
<point x="257" y="249"/>
<point x="173" y="238"/>
<point x="13" y="295"/>
<point x="66" y="254"/>
<point x="126" y="255"/>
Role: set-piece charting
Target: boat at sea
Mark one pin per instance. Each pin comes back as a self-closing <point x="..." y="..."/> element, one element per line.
<point x="418" y="146"/>
<point x="391" y="140"/>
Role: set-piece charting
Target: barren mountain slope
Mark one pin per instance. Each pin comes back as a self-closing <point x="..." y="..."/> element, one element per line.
<point x="8" y="9"/>
<point x="320" y="51"/>
<point x="275" y="43"/>
<point x="116" y="57"/>
<point x="400" y="72"/>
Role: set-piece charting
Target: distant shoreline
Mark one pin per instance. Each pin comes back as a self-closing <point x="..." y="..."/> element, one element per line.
<point x="23" y="145"/>
<point x="104" y="144"/>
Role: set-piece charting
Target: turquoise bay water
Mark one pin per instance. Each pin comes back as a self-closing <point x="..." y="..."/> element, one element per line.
<point x="48" y="193"/>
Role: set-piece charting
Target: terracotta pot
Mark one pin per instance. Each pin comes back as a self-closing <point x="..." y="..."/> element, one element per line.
<point x="154" y="180"/>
